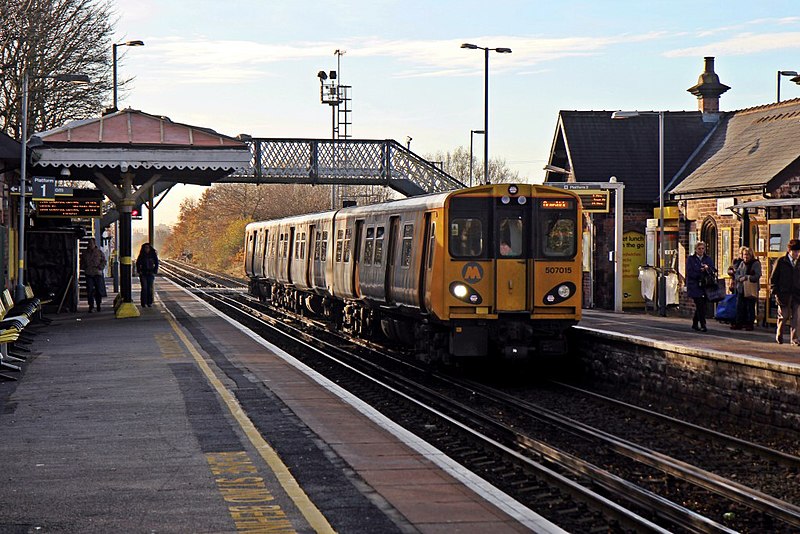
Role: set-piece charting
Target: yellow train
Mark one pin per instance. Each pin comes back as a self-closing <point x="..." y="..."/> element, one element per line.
<point x="489" y="270"/>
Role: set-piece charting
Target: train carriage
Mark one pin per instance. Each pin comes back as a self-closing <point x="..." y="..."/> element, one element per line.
<point x="490" y="269"/>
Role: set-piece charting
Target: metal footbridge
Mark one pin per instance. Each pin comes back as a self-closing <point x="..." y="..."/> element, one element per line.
<point x="342" y="162"/>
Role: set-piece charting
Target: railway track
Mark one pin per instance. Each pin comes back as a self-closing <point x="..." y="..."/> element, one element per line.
<point x="584" y="475"/>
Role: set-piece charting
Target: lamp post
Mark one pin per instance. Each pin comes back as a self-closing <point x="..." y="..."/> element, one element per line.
<point x="662" y="281"/>
<point x="471" y="134"/>
<point x="114" y="64"/>
<point x="778" y="83"/>
<point x="19" y="290"/>
<point x="486" y="51"/>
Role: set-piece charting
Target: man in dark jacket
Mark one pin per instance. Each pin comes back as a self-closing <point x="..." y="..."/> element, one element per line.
<point x="785" y="285"/>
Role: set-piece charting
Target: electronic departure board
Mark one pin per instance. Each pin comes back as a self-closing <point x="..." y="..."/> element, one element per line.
<point x="594" y="201"/>
<point x="82" y="203"/>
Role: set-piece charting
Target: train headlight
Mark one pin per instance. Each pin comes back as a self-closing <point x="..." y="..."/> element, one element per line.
<point x="460" y="291"/>
<point x="512" y="189"/>
<point x="465" y="293"/>
<point x="522" y="200"/>
<point x="505" y="199"/>
<point x="560" y="293"/>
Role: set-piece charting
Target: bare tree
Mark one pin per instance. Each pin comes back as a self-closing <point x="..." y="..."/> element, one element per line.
<point x="456" y="164"/>
<point x="47" y="37"/>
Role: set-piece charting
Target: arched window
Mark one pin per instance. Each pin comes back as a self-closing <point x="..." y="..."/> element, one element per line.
<point x="708" y="233"/>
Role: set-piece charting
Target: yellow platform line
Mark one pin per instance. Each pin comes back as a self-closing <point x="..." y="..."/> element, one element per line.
<point x="312" y="514"/>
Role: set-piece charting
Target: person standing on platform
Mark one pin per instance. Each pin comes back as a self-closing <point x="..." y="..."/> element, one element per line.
<point x="785" y="286"/>
<point x="93" y="262"/>
<point x="697" y="266"/>
<point x="747" y="270"/>
<point x="147" y="267"/>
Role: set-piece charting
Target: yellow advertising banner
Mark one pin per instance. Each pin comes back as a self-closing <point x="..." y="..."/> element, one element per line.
<point x="633" y="255"/>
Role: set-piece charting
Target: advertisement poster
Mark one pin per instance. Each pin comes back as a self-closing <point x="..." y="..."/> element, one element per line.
<point x="633" y="255"/>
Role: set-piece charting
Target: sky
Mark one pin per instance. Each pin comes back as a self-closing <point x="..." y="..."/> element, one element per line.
<point x="248" y="66"/>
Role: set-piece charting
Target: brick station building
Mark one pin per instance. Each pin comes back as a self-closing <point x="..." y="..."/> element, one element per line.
<point x="714" y="163"/>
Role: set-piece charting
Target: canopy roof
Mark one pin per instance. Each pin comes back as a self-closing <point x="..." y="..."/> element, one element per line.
<point x="131" y="141"/>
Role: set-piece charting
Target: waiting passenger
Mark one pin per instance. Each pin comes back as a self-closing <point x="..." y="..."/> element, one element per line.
<point x="785" y="286"/>
<point x="698" y="265"/>
<point x="747" y="270"/>
<point x="147" y="267"/>
<point x="93" y="262"/>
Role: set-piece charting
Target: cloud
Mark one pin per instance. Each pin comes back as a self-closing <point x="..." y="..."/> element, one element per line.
<point x="742" y="44"/>
<point x="236" y="60"/>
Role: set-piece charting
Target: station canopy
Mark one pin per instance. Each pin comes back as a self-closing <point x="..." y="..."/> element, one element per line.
<point x="131" y="142"/>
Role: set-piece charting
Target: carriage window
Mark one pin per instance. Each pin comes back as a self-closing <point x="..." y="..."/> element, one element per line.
<point x="509" y="238"/>
<point x="339" y="239"/>
<point x="378" y="245"/>
<point x="297" y="241"/>
<point x="466" y="237"/>
<point x="369" y="245"/>
<point x="284" y="245"/>
<point x="347" y="235"/>
<point x="317" y="246"/>
<point x="324" y="247"/>
<point x="431" y="245"/>
<point x="557" y="228"/>
<point x="408" y="240"/>
<point x="303" y="246"/>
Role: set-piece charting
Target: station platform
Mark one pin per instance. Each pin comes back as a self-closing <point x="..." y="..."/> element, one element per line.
<point x="756" y="347"/>
<point x="181" y="421"/>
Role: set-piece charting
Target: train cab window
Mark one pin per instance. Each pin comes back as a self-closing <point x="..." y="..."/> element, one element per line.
<point x="339" y="242"/>
<point x="509" y="238"/>
<point x="558" y="228"/>
<point x="323" y="253"/>
<point x="408" y="241"/>
<point x="466" y="237"/>
<point x="347" y="235"/>
<point x="369" y="246"/>
<point x="378" y="258"/>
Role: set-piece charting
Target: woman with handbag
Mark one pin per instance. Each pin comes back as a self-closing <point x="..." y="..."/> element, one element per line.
<point x="699" y="272"/>
<point x="746" y="278"/>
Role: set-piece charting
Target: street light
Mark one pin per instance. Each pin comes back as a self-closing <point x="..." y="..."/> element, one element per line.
<point x="662" y="281"/>
<point x="778" y="85"/>
<point x="486" y="51"/>
<point x="19" y="292"/>
<point x="471" y="134"/>
<point x="114" y="65"/>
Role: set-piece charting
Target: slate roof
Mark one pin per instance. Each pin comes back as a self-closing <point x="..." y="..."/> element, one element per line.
<point x="9" y="153"/>
<point x="595" y="147"/>
<point x="749" y="149"/>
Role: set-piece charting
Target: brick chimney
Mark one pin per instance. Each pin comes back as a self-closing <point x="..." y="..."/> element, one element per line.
<point x="708" y="89"/>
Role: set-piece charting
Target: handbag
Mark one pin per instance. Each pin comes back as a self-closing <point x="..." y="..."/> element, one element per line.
<point x="750" y="289"/>
<point x="715" y="293"/>
<point x="707" y="279"/>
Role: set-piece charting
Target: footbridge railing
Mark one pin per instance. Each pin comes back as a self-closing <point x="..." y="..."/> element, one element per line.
<point x="343" y="162"/>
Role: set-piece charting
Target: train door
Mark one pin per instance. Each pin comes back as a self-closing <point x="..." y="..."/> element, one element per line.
<point x="310" y="265"/>
<point x="249" y="252"/>
<point x="357" y="258"/>
<point x="290" y="253"/>
<point x="511" y="250"/>
<point x="426" y="265"/>
<point x="391" y="250"/>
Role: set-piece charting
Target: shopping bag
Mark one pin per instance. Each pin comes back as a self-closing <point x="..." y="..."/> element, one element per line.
<point x="750" y="289"/>
<point x="715" y="293"/>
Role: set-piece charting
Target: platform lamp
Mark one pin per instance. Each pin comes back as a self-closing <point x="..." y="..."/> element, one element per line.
<point x="114" y="65"/>
<point x="662" y="280"/>
<point x="486" y="51"/>
<point x="471" y="135"/>
<point x="19" y="290"/>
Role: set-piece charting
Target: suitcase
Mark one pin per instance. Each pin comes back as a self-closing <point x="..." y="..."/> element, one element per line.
<point x="726" y="308"/>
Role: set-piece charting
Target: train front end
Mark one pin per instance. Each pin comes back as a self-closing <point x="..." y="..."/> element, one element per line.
<point x="513" y="276"/>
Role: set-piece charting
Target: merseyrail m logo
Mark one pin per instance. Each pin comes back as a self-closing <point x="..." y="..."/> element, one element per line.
<point x="472" y="272"/>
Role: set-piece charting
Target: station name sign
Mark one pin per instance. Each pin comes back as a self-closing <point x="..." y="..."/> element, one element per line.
<point x="82" y="203"/>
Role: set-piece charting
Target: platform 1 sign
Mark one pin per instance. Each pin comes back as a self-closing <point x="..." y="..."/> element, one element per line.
<point x="83" y="203"/>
